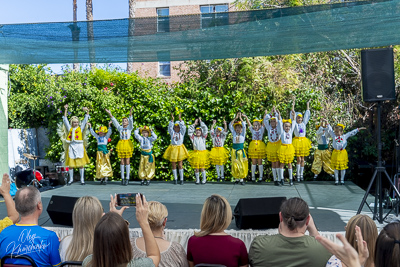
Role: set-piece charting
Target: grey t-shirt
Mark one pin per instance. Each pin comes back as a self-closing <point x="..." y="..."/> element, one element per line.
<point x="281" y="251"/>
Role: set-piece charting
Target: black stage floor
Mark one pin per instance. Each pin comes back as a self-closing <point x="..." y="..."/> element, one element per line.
<point x="331" y="206"/>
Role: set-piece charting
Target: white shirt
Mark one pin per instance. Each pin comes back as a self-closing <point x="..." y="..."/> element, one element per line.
<point x="323" y="136"/>
<point x="238" y="138"/>
<point x="199" y="143"/>
<point x="76" y="149"/>
<point x="177" y="137"/>
<point x="145" y="142"/>
<point x="218" y="140"/>
<point x="300" y="128"/>
<point x="286" y="138"/>
<point x="257" y="135"/>
<point x="101" y="140"/>
<point x="124" y="132"/>
<point x="340" y="142"/>
<point x="273" y="135"/>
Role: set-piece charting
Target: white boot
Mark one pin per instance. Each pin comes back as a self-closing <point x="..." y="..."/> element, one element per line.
<point x="82" y="173"/>
<point x="71" y="176"/>
<point x="196" y="174"/>
<point x="301" y="173"/>
<point x="122" y="167"/>
<point x="181" y="175"/>
<point x="128" y="171"/>
<point x="336" y="177"/>
<point x="260" y="172"/>
<point x="342" y="174"/>
<point x="291" y="176"/>
<point x="204" y="177"/>
<point x="253" y="172"/>
<point x="174" y="172"/>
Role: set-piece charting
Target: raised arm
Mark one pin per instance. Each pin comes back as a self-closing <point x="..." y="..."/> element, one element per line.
<point x="192" y="128"/>
<point x="86" y="119"/>
<point x="247" y="120"/>
<point x="142" y="211"/>
<point x="307" y="113"/>
<point x="137" y="135"/>
<point x="204" y="128"/>
<point x="5" y="192"/>
<point x="182" y="126"/>
<point x="153" y="136"/>
<point x="225" y="127"/>
<point x="212" y="127"/>
<point x="130" y="121"/>
<point x="91" y="131"/>
<point x="171" y="128"/>
<point x="109" y="132"/>
<point x="354" y="132"/>
<point x="65" y="119"/>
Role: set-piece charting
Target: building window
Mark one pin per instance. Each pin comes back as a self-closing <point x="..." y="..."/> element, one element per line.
<point x="164" y="68"/>
<point x="163" y="19"/>
<point x="211" y="15"/>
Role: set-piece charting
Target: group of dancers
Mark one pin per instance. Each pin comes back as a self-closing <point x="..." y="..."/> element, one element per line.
<point x="280" y="150"/>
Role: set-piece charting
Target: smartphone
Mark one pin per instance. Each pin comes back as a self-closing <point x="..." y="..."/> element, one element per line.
<point x="127" y="199"/>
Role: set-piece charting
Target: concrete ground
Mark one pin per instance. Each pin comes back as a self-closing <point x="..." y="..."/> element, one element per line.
<point x="331" y="206"/>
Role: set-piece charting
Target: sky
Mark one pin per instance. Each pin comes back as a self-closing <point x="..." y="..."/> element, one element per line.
<point x="34" y="11"/>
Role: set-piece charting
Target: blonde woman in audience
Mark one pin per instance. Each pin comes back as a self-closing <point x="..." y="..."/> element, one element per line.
<point x="172" y="253"/>
<point x="86" y="214"/>
<point x="212" y="245"/>
<point x="370" y="233"/>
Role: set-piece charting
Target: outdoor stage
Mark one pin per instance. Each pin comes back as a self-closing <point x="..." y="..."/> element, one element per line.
<point x="331" y="206"/>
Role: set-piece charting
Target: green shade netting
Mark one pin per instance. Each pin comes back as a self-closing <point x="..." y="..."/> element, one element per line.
<point x="205" y="36"/>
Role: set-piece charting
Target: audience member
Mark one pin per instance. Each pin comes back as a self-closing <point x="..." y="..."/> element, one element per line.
<point x="212" y="245"/>
<point x="172" y="253"/>
<point x="26" y="237"/>
<point x="111" y="244"/>
<point x="370" y="233"/>
<point x="291" y="247"/>
<point x="12" y="213"/>
<point x="346" y="253"/>
<point x="387" y="252"/>
<point x="86" y="214"/>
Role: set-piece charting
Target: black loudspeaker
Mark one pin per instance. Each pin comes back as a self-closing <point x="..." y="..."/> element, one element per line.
<point x="377" y="74"/>
<point x="60" y="209"/>
<point x="258" y="213"/>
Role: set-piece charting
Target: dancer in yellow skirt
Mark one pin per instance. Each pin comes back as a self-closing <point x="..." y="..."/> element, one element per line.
<point x="257" y="148"/>
<point x="274" y="142"/>
<point x="147" y="166"/>
<point x="103" y="163"/>
<point x="219" y="154"/>
<point x="339" y="158"/>
<point x="176" y="151"/>
<point x="322" y="155"/>
<point x="125" y="145"/>
<point x="240" y="165"/>
<point x="199" y="157"/>
<point x="286" y="150"/>
<point x="74" y="137"/>
<point x="301" y="143"/>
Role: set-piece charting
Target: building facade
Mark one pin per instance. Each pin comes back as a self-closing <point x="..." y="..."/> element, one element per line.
<point x="167" y="70"/>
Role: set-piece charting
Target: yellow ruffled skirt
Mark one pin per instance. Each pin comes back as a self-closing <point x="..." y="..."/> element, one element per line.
<point x="124" y="149"/>
<point x="302" y="146"/>
<point x="103" y="165"/>
<point x="286" y="153"/>
<point x="240" y="165"/>
<point x="78" y="162"/>
<point x="272" y="151"/>
<point x="199" y="159"/>
<point x="219" y="155"/>
<point x="257" y="149"/>
<point x="147" y="169"/>
<point x="176" y="153"/>
<point x="339" y="159"/>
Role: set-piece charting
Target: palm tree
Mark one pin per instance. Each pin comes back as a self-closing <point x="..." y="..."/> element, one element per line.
<point x="89" y="19"/>
<point x="132" y="9"/>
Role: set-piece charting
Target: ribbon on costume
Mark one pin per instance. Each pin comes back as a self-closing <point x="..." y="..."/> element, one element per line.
<point x="150" y="154"/>
<point x="102" y="148"/>
<point x="239" y="147"/>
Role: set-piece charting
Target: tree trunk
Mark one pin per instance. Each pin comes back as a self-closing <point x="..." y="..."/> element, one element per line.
<point x="75" y="7"/>
<point x="90" y="34"/>
<point x="131" y="29"/>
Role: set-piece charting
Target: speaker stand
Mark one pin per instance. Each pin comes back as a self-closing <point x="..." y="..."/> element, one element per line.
<point x="377" y="177"/>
